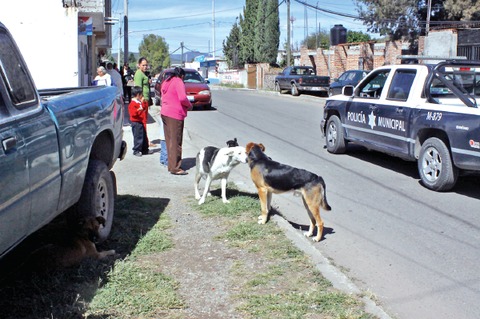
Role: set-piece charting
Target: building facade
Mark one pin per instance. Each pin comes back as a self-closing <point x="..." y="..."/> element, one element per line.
<point x="60" y="39"/>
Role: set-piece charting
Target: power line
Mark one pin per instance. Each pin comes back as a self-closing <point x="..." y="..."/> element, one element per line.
<point x="182" y="17"/>
<point x="420" y="22"/>
<point x="347" y="15"/>
<point x="174" y="27"/>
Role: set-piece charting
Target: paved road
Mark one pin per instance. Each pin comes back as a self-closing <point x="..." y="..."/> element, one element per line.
<point x="416" y="250"/>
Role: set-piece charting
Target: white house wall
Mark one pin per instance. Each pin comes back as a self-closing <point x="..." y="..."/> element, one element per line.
<point x="47" y="34"/>
<point x="441" y="44"/>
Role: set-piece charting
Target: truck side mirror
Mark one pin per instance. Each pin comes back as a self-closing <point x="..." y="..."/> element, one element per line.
<point x="347" y="90"/>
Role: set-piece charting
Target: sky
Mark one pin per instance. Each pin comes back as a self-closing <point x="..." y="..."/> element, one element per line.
<point x="191" y="21"/>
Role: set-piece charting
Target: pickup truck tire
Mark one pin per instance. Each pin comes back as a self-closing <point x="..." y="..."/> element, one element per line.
<point x="277" y="88"/>
<point x="334" y="136"/>
<point x="98" y="196"/>
<point x="435" y="166"/>
<point x="294" y="90"/>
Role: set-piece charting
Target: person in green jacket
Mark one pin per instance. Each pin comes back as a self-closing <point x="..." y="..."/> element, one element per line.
<point x="141" y="79"/>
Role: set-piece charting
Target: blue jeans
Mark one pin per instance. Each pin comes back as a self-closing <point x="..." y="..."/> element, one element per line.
<point x="163" y="153"/>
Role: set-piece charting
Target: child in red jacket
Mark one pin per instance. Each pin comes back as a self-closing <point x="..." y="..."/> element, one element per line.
<point x="138" y="116"/>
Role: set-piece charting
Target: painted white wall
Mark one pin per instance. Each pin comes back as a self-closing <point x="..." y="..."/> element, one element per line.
<point x="448" y="47"/>
<point x="47" y="35"/>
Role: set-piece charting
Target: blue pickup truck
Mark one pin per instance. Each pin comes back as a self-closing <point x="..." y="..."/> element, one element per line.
<point x="57" y="150"/>
<point x="423" y="113"/>
<point x="298" y="79"/>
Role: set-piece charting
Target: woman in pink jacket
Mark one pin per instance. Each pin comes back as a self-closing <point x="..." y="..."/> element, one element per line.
<point x="175" y="105"/>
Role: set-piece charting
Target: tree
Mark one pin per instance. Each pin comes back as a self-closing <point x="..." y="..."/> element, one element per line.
<point x="231" y="47"/>
<point x="386" y="17"/>
<point x="259" y="33"/>
<point x="259" y="39"/>
<point x="155" y="49"/>
<point x="132" y="61"/>
<point x="317" y="40"/>
<point x="247" y="25"/>
<point x="357" y="36"/>
<point x="406" y="19"/>
<point x="272" y="33"/>
<point x="463" y="10"/>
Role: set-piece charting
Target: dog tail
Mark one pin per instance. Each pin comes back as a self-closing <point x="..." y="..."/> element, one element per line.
<point x="323" y="199"/>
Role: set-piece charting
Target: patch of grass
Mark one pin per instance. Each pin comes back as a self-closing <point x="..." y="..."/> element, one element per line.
<point x="277" y="280"/>
<point x="134" y="218"/>
<point x="239" y="205"/>
<point x="134" y="290"/>
<point x="156" y="240"/>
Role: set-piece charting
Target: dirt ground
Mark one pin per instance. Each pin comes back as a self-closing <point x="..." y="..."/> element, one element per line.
<point x="200" y="264"/>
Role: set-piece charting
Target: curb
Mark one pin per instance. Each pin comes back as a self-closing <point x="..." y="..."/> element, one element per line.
<point x="304" y="96"/>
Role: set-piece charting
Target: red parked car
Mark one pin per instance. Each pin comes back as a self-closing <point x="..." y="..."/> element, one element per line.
<point x="198" y="91"/>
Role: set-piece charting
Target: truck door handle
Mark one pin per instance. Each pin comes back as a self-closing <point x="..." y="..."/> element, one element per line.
<point x="9" y="143"/>
<point x="399" y="110"/>
<point x="373" y="107"/>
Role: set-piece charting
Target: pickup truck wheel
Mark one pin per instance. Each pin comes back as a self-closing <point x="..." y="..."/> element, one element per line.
<point x="97" y="197"/>
<point x="277" y="88"/>
<point x="294" y="90"/>
<point x="435" y="166"/>
<point x="334" y="136"/>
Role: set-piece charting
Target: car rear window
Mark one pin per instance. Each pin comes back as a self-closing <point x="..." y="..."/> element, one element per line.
<point x="15" y="75"/>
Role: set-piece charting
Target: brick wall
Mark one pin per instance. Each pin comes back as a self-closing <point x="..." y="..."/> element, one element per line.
<point x="340" y="58"/>
<point x="330" y="62"/>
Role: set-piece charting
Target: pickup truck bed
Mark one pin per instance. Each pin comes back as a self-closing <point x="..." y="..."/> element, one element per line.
<point x="298" y="79"/>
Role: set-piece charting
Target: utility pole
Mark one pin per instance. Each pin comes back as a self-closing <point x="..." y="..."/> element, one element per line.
<point x="429" y="11"/>
<point x="181" y="46"/>
<point x="289" y="52"/>
<point x="305" y="24"/>
<point x="119" y="64"/>
<point x="125" y="32"/>
<point x="316" y="26"/>
<point x="213" y="25"/>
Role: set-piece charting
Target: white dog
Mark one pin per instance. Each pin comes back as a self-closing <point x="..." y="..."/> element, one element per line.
<point x="216" y="163"/>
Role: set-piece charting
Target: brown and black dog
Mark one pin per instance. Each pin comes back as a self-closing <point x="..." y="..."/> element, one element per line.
<point x="77" y="244"/>
<point x="273" y="177"/>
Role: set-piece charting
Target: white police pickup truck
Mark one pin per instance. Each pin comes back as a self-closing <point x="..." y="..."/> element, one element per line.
<point x="423" y="113"/>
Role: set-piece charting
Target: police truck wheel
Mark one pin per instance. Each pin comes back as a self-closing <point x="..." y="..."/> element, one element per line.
<point x="334" y="136"/>
<point x="435" y="166"/>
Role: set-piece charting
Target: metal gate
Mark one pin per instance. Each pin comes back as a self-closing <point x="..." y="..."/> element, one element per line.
<point x="472" y="52"/>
